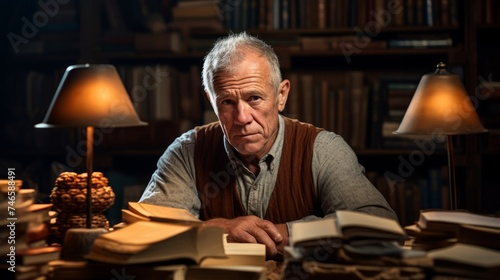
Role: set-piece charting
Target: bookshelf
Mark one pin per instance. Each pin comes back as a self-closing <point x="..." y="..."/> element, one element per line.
<point x="344" y="40"/>
<point x="483" y="76"/>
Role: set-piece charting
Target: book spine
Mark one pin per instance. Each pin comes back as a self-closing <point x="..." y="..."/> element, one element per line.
<point x="435" y="189"/>
<point x="420" y="43"/>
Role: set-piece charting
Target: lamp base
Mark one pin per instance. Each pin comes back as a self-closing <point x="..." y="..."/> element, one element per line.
<point x="78" y="241"/>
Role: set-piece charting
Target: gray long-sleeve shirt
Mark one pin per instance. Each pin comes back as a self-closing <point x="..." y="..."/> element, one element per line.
<point x="338" y="178"/>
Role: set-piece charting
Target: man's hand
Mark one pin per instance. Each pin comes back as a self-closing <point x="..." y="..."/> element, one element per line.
<point x="252" y="229"/>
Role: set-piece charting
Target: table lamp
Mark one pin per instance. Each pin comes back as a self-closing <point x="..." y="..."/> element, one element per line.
<point x="90" y="96"/>
<point x="441" y="105"/>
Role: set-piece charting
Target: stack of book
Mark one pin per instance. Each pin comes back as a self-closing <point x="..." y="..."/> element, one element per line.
<point x="460" y="243"/>
<point x="159" y="241"/>
<point x="349" y="245"/>
<point x="24" y="250"/>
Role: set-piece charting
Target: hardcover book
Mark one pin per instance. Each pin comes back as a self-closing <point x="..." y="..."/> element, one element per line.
<point x="347" y="227"/>
<point x="157" y="242"/>
<point x="450" y="221"/>
<point x="149" y="212"/>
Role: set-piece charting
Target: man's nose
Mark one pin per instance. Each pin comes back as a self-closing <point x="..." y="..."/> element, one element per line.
<point x="242" y="113"/>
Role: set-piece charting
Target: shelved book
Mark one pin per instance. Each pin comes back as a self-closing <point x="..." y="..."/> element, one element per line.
<point x="347" y="227"/>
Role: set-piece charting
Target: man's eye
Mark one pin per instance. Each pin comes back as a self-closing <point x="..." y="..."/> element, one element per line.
<point x="227" y="102"/>
<point x="254" y="98"/>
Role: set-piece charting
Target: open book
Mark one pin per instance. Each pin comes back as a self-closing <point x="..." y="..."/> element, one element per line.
<point x="348" y="226"/>
<point x="448" y="221"/>
<point x="476" y="253"/>
<point x="149" y="212"/>
<point x="155" y="242"/>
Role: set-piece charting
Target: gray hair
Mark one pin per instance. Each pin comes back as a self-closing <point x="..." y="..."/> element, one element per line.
<point x="226" y="51"/>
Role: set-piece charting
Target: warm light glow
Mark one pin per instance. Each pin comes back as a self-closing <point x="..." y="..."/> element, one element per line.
<point x="440" y="105"/>
<point x="91" y="95"/>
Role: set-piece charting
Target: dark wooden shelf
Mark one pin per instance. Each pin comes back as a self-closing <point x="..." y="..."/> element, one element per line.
<point x="135" y="56"/>
<point x="330" y="31"/>
<point x="36" y="58"/>
<point x="198" y="56"/>
<point x="379" y="52"/>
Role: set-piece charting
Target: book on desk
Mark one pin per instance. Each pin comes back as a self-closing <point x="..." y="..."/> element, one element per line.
<point x="347" y="226"/>
<point x="471" y="250"/>
<point x="82" y="270"/>
<point x="350" y="245"/>
<point x="169" y="242"/>
<point x="149" y="212"/>
<point x="459" y="242"/>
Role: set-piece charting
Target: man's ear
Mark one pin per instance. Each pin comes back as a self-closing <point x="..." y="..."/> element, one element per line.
<point x="283" y="91"/>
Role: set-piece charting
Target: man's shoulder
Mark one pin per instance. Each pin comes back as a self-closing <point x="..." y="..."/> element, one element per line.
<point x="296" y="128"/>
<point x="207" y="127"/>
<point x="208" y="131"/>
<point x="298" y="123"/>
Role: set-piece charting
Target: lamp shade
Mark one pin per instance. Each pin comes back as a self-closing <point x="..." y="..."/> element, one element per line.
<point x="91" y="95"/>
<point x="440" y="104"/>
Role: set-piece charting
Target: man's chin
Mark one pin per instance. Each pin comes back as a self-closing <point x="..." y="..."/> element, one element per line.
<point x="248" y="150"/>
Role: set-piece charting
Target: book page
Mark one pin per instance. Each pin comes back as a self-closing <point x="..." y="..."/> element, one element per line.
<point x="162" y="213"/>
<point x="236" y="248"/>
<point x="145" y="233"/>
<point x="458" y="217"/>
<point x="251" y="249"/>
<point x="313" y="231"/>
<point x="132" y="217"/>
<point x="146" y="242"/>
<point x="346" y="219"/>
<point x="238" y="254"/>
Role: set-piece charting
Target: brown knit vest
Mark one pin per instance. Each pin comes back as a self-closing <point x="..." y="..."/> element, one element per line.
<point x="293" y="196"/>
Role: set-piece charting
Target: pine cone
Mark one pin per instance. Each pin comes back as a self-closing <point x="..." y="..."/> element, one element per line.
<point x="70" y="193"/>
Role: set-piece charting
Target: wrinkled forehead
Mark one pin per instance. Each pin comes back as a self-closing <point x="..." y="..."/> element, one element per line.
<point x="240" y="62"/>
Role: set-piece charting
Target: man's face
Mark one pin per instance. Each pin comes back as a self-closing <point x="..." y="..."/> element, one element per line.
<point x="247" y="106"/>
